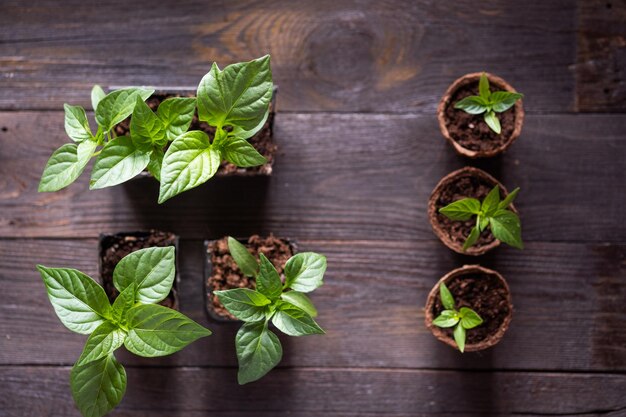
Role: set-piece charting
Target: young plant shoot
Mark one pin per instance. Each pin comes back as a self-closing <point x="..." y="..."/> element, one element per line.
<point x="491" y="213"/>
<point x="286" y="305"/>
<point x="135" y="320"/>
<point x="463" y="319"/>
<point x="488" y="103"/>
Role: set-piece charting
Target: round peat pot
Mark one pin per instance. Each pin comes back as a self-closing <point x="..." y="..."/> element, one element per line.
<point x="483" y="290"/>
<point x="463" y="183"/>
<point x="468" y="133"/>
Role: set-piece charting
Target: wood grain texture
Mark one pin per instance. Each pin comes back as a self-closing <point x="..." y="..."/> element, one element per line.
<point x="365" y="56"/>
<point x="568" y="298"/>
<point x="337" y="176"/>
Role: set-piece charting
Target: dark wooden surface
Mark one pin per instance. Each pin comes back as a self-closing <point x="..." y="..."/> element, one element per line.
<point x="360" y="152"/>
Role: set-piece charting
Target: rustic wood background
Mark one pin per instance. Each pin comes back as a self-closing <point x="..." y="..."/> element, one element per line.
<point x="360" y="153"/>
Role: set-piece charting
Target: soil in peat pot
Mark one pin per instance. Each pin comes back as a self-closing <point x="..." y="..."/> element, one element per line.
<point x="262" y="141"/>
<point x="115" y="247"/>
<point x="225" y="274"/>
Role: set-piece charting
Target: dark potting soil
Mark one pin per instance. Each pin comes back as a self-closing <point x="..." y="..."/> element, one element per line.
<point x="114" y="248"/>
<point x="483" y="293"/>
<point x="262" y="141"/>
<point x="463" y="187"/>
<point x="470" y="130"/>
<point x="225" y="273"/>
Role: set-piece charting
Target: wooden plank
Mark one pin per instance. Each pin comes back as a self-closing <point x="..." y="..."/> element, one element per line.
<point x="35" y="391"/>
<point x="392" y="56"/>
<point x="337" y="176"/>
<point x="601" y="56"/>
<point x="565" y="295"/>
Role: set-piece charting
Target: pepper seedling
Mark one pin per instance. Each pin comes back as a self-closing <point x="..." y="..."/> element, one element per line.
<point x="488" y="103"/>
<point x="491" y="213"/>
<point x="463" y="319"/>
<point x="143" y="278"/>
<point x="285" y="305"/>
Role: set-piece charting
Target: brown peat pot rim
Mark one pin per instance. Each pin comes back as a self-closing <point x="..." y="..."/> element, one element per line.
<point x="432" y="210"/>
<point x="492" y="339"/>
<point x="445" y="102"/>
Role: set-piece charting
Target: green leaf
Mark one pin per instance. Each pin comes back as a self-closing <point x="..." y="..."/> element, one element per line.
<point x="506" y="227"/>
<point x="239" y="152"/>
<point x="242" y="133"/>
<point x="102" y="342"/>
<point x="97" y="94"/>
<point x="146" y="128"/>
<point x="472" y="105"/>
<point x="151" y="269"/>
<point x="483" y="87"/>
<point x="119" y="161"/>
<point x="65" y="165"/>
<point x="156" y="162"/>
<point x="490" y="203"/>
<point x="301" y="301"/>
<point x="118" y="105"/>
<point x="99" y="386"/>
<point x="176" y="113"/>
<point x="482" y="222"/>
<point x="472" y="238"/>
<point x="492" y="121"/>
<point x="293" y="321"/>
<point x="189" y="161"/>
<point x="123" y="303"/>
<point x="446" y="297"/>
<point x="245" y="304"/>
<point x="79" y="302"/>
<point x="503" y="100"/>
<point x="258" y="351"/>
<point x="447" y="318"/>
<point x="76" y="124"/>
<point x="244" y="259"/>
<point x="459" y="337"/>
<point x="268" y="281"/>
<point x="154" y="330"/>
<point x="304" y="272"/>
<point x="469" y="318"/>
<point x="238" y="96"/>
<point x="462" y="209"/>
<point x="509" y="199"/>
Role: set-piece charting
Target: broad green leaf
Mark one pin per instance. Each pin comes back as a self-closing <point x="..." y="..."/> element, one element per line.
<point x="506" y="227"/>
<point x="123" y="303"/>
<point x="299" y="300"/>
<point x="154" y="330"/>
<point x="102" y="342"/>
<point x="293" y="321"/>
<point x="503" y="100"/>
<point x="119" y="161"/>
<point x="490" y="203"/>
<point x="459" y="337"/>
<point x="483" y="87"/>
<point x="472" y="105"/>
<point x="151" y="269"/>
<point x="242" y="133"/>
<point x="447" y="318"/>
<point x="469" y="318"/>
<point x="244" y="259"/>
<point x="239" y="152"/>
<point x="76" y="124"/>
<point x="245" y="304"/>
<point x="156" y="162"/>
<point x="65" y="165"/>
<point x="238" y="96"/>
<point x="98" y="386"/>
<point x="79" y="302"/>
<point x="97" y="94"/>
<point x="446" y="297"/>
<point x="258" y="351"/>
<point x="482" y="222"/>
<point x="492" y="121"/>
<point x="189" y="161"/>
<point x="118" y="105"/>
<point x="268" y="281"/>
<point x="462" y="209"/>
<point x="304" y="272"/>
<point x="146" y="128"/>
<point x="509" y="199"/>
<point x="472" y="238"/>
<point x="176" y="113"/>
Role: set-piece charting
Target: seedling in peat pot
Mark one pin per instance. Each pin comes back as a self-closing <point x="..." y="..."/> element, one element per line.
<point x="488" y="103"/>
<point x="491" y="213"/>
<point x="463" y="319"/>
<point x="285" y="305"/>
<point x="143" y="278"/>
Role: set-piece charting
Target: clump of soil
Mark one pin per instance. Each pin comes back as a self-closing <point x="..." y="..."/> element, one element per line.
<point x="225" y="274"/>
<point x="115" y="247"/>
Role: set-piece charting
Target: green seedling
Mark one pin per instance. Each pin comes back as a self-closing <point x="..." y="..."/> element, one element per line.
<point x="462" y="320"/>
